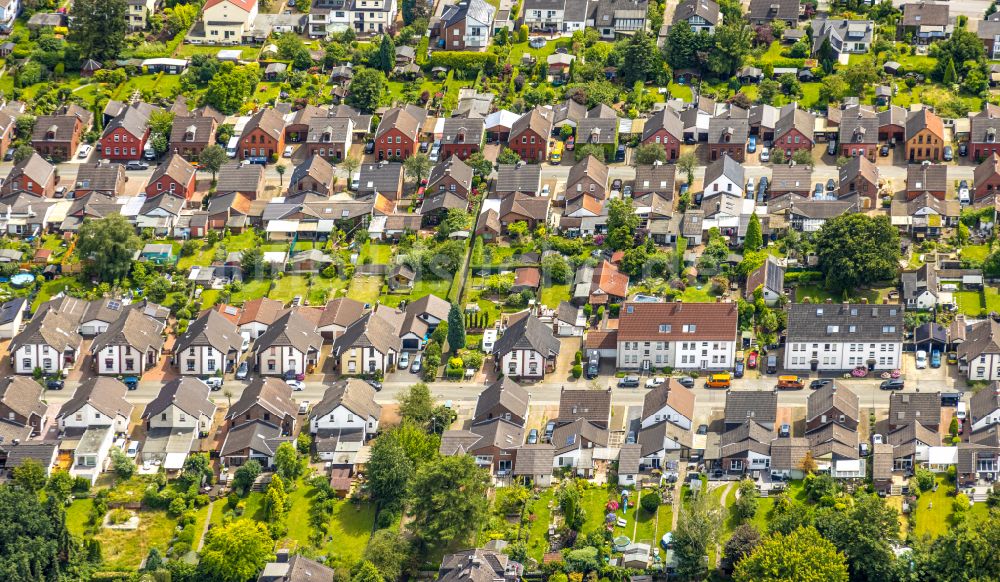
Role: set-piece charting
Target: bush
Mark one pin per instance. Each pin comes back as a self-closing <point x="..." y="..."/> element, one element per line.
<point x="650" y="502"/>
<point x="577" y="370"/>
<point x="118" y="516"/>
<point x="177" y="506"/>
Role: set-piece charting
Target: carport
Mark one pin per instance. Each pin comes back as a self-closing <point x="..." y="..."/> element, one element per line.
<point x="930" y="336"/>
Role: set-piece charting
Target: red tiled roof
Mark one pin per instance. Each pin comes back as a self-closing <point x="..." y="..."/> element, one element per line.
<point x="610" y="280"/>
<point x="709" y="322"/>
<point x="245" y="5"/>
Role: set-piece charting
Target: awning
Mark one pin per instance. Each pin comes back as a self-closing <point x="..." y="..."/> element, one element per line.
<point x="174" y="461"/>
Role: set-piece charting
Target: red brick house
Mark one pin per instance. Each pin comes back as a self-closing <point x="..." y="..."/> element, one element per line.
<point x="174" y="176"/>
<point x="529" y="136"/>
<point x="728" y="134"/>
<point x="58" y="135"/>
<point x="263" y="137"/>
<point x="929" y="178"/>
<point x="860" y="176"/>
<point x="397" y="136"/>
<point x="461" y="137"/>
<point x="986" y="179"/>
<point x="32" y="175"/>
<point x="983" y="130"/>
<point x="794" y="130"/>
<point x="892" y="124"/>
<point x="859" y="127"/>
<point x="190" y="135"/>
<point x="126" y="135"/>
<point x="666" y="129"/>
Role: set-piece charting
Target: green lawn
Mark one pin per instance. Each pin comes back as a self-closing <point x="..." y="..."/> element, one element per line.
<point x="517" y="50"/>
<point x="210" y="297"/>
<point x="552" y="295"/>
<point x="539" y="516"/>
<point x="49" y="289"/>
<point x="124" y="550"/>
<point x="973" y="302"/>
<point x="678" y="91"/>
<point x="349" y="531"/>
<point x="77" y="515"/>
<point x="380" y="254"/>
<point x="421" y="288"/>
<point x="933" y="515"/>
<point x="253" y="289"/>
<point x="203" y="256"/>
<point x="694" y="295"/>
<point x="240" y="242"/>
<point x="819" y="294"/>
<point x="594" y="500"/>
<point x="189" y="50"/>
<point x="365" y="288"/>
<point x="650" y="526"/>
<point x="975" y="252"/>
<point x="311" y="288"/>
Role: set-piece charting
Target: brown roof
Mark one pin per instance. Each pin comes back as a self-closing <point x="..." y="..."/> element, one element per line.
<point x="195" y="129"/>
<point x="787" y="453"/>
<point x="176" y="167"/>
<point x="533" y="207"/>
<point x="602" y="340"/>
<point x="609" y="279"/>
<point x="342" y="311"/>
<point x="261" y="310"/>
<point x="881" y="462"/>
<point x="832" y="396"/>
<point x="271" y="393"/>
<point x="539" y="120"/>
<point x="527" y="277"/>
<point x="986" y="170"/>
<point x="267" y="120"/>
<point x="984" y="402"/>
<point x="504" y="392"/>
<point x="670" y="393"/>
<point x="682" y="321"/>
<point x="589" y="167"/>
<point x="22" y="395"/>
<point x="592" y="405"/>
<point x="353" y="394"/>
<point x="924" y="119"/>
<point x="406" y="119"/>
<point x="925" y="14"/>
<point x="187" y="394"/>
<point x="922" y="407"/>
<point x="106" y="395"/>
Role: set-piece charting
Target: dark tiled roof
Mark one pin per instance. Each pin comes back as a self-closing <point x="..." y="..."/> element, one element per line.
<point x="355" y="395"/>
<point x="506" y="393"/>
<point x="922" y="407"/>
<point x="683" y="321"/>
<point x="591" y="405"/>
<point x="106" y="395"/>
<point x="844" y="322"/>
<point x="528" y="333"/>
<point x="758" y="405"/>
<point x="188" y="394"/>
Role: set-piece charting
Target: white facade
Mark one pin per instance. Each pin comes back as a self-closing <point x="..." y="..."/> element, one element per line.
<point x="174" y="417"/>
<point x="373" y="16"/>
<point x="537" y="19"/>
<point x="984" y="367"/>
<point x="252" y="330"/>
<point x="987" y="420"/>
<point x="88" y="416"/>
<point x="31" y="356"/>
<point x="226" y="22"/>
<point x="124" y="360"/>
<point x="90" y="464"/>
<point x="94" y="327"/>
<point x="686" y="355"/>
<point x="753" y="462"/>
<point x="201" y="361"/>
<point x="523" y="364"/>
<point x="278" y="360"/>
<point x="699" y="24"/>
<point x="667" y="413"/>
<point x="723" y="184"/>
<point x="926" y="300"/>
<point x="834" y="356"/>
<point x="366" y="360"/>
<point x="344" y="419"/>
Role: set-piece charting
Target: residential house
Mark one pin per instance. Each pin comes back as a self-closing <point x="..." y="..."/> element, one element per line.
<point x="609" y="285"/>
<point x="989" y="33"/>
<point x="665" y="127"/>
<point x="383" y="178"/>
<point x="544" y="15"/>
<point x="534" y="464"/>
<point x="760" y="406"/>
<point x="986" y="178"/>
<point x="984" y="408"/>
<point x="290" y="345"/>
<point x="461" y="137"/>
<point x="174" y="176"/>
<point x="920" y="287"/>
<point x="789" y="179"/>
<point x="892" y="124"/>
<point x="529" y="136"/>
<point x="860" y="176"/>
<point x="256" y="440"/>
<point x="724" y="176"/>
<point x="479" y="564"/>
<point x="230" y="210"/>
<point x="832" y="443"/>
<point x="448" y="187"/>
<point x="667" y="413"/>
<point x="397" y="135"/>
<point x="924" y="136"/>
<point x="59" y="135"/>
<point x="11" y="316"/>
<point x="569" y="320"/>
<point x="295" y="568"/>
<point x="125" y="136"/>
<point x="527" y="349"/>
<point x="618" y="18"/>
<point x="911" y="443"/>
<point x="369" y="345"/>
<point x="746" y="447"/>
<point x="769" y="278"/>
<point x="588" y="177"/>
<point x="978" y="463"/>
<point x="263" y="137"/>
<point x="190" y="135"/>
<point x="794" y="130"/>
<point x="315" y="175"/>
<point x="257" y="315"/>
<point x="210" y="345"/>
<point x="787" y="455"/>
<point x="524" y="178"/>
<point x="691" y="336"/>
<point x="910" y="407"/>
<point x="504" y="400"/>
<point x="103" y="176"/>
<point x="337" y="315"/>
<point x="89" y="449"/>
<point x="926" y="216"/>
<point x="858" y="132"/>
<point x="130" y="346"/>
<point x="983" y="129"/>
<point x="467" y="25"/>
<point x="21" y="403"/>
<point x="926" y="178"/>
<point x="518" y="207"/>
<point x="32" y="175"/>
<point x="247" y="180"/>
<point x="599" y="127"/>
<point x="493" y="445"/>
<point x="226" y="21"/>
<point x="329" y="137"/>
<point x="49" y="342"/>
<point x="727" y="135"/>
<point x="925" y="22"/>
<point x="767" y="11"/>
<point x="832" y="404"/>
<point x="700" y="15"/>
<point x="841" y="337"/>
<point x="348" y="407"/>
<point x="844" y="36"/>
<point x="97" y="402"/>
<point x="8" y="121"/>
<point x="175" y="420"/>
<point x="979" y="353"/>
<point x="267" y="400"/>
<point x="582" y="425"/>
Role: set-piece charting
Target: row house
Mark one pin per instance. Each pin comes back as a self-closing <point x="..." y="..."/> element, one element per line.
<point x="527" y="349"/>
<point x="21" y="403"/>
<point x="125" y="137"/>
<point x="49" y="342"/>
<point x="892" y="124"/>
<point x="924" y="136"/>
<point x="97" y="402"/>
<point x="448" y="186"/>
<point x="370" y="345"/>
<point x="979" y="354"/>
<point x="315" y="176"/>
<point x="103" y="177"/>
<point x="794" y="129"/>
<point x="983" y="129"/>
<point x="32" y="175"/>
<point x="263" y="137"/>
<point x="397" y="135"/>
<point x="665" y="425"/>
<point x="467" y="25"/>
<point x="858" y="133"/>
<point x="209" y="346"/>
<point x="929" y="179"/>
<point x="129" y="346"/>
<point x="174" y="176"/>
<point x="266" y="400"/>
<point x="191" y="134"/>
<point x="665" y="128"/>
<point x="581" y="426"/>
<point x="859" y="176"/>
<point x="337" y="315"/>
<point x="529" y="136"/>
<point x="58" y="136"/>
<point x="727" y="135"/>
<point x="461" y="137"/>
<point x="289" y="346"/>
<point x="686" y="336"/>
<point x="329" y="137"/>
<point x="841" y="337"/>
<point x="345" y="419"/>
<point x="180" y="415"/>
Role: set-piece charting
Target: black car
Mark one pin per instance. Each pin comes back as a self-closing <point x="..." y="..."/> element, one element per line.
<point x="831" y="185"/>
<point x="686" y="381"/>
<point x="948" y="154"/>
<point x="884" y="150"/>
<point x="9" y="155"/>
<point x="817" y="384"/>
<point x="370" y="146"/>
<point x="687" y="141"/>
<point x="893" y="384"/>
<point x="55" y="384"/>
<point x="963" y="149"/>
<point x="620" y="154"/>
<point x="136" y="165"/>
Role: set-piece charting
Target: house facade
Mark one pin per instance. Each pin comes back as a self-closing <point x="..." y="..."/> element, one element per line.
<point x="691" y="336"/>
<point x="841" y="337"/>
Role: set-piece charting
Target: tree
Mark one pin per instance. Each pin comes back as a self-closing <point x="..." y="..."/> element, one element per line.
<point x="350" y="165"/>
<point x="864" y="533"/>
<point x="833" y="88"/>
<point x="287" y="462"/>
<point x="743" y="541"/>
<point x="697" y="528"/>
<point x="245" y="476"/>
<point x="236" y="552"/>
<point x="768" y="90"/>
<point x="417" y="404"/>
<point x="388" y="551"/>
<point x="686" y="163"/>
<point x="22" y="153"/>
<point x="389" y="471"/>
<point x="30" y="476"/>
<point x="417" y="166"/>
<point x="745" y="506"/>
<point x="275" y="499"/>
<point x="949" y="77"/>
<point x="212" y="158"/>
<point x="448" y="500"/>
<point x="368" y="88"/>
<point x="99" y="28"/>
<point x="108" y="245"/>
<point x="366" y="572"/>
<point x="802" y="157"/>
<point x="650" y="502"/>
<point x="231" y="87"/>
<point x="555" y="268"/>
<point x="180" y="17"/>
<point x="622" y="224"/>
<point x="681" y="48"/>
<point x="522" y="34"/>
<point x="60" y="486"/>
<point x="121" y="464"/>
<point x="252" y="263"/>
<point x="860" y="75"/>
<point x="508" y="156"/>
<point x="590" y="149"/>
<point x="385" y="58"/>
<point x="161" y="122"/>
<point x="754" y="239"/>
<point x="34" y="544"/>
<point x="733" y="41"/>
<point x="456" y="329"/>
<point x="649" y="153"/>
<point x="801" y="555"/>
<point x="855" y="250"/>
<point x="281" y="169"/>
<point x="826" y="56"/>
<point x="479" y="164"/>
<point x="640" y="58"/>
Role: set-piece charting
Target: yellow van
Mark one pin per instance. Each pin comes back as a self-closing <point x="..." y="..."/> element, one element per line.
<point x="555" y="156"/>
<point x="718" y="381"/>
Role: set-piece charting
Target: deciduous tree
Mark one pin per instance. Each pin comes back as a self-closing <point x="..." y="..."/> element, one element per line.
<point x="802" y="555"/>
<point x="855" y="250"/>
<point x="368" y="88"/>
<point x="108" y="245"/>
<point x="236" y="552"/>
<point x="99" y="28"/>
<point x="448" y="500"/>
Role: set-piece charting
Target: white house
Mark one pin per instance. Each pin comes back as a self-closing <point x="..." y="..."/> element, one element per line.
<point x="11" y="316"/>
<point x="49" y="342"/>
<point x="90" y="457"/>
<point x="569" y="320"/>
<point x="544" y="14"/>
<point x="182" y="403"/>
<point x="979" y="354"/>
<point x="841" y="337"/>
<point x="225" y="21"/>
<point x="698" y="336"/>
<point x="984" y="408"/>
<point x="138" y="13"/>
<point x="290" y="345"/>
<point x="724" y="176"/>
<point x="257" y="315"/>
<point x="9" y="9"/>
<point x="130" y="346"/>
<point x="346" y="414"/>
<point x="209" y="345"/>
<point x="371" y="344"/>
<point x="700" y="15"/>
<point x="527" y="349"/>
<point x="97" y="402"/>
<point x="669" y="402"/>
<point x="920" y="287"/>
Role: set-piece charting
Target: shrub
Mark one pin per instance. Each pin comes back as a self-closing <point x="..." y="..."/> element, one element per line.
<point x="577" y="370"/>
<point x="650" y="502"/>
<point x="117" y="516"/>
<point x="177" y="506"/>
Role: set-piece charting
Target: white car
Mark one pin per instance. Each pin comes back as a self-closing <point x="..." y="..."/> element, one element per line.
<point x="296" y="385"/>
<point x="545" y="190"/>
<point x="655" y="381"/>
<point x="877" y="439"/>
<point x="921" y="359"/>
<point x="288" y="151"/>
<point x="404" y="361"/>
<point x="85" y="150"/>
<point x="765" y="155"/>
<point x="215" y="382"/>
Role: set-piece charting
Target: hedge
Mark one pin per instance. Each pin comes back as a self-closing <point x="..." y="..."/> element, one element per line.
<point x="803" y="277"/>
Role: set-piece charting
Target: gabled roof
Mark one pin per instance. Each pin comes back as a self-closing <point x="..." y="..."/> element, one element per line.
<point x="728" y="129"/>
<point x="176" y="168"/>
<point x="922" y="407"/>
<point x="912" y="433"/>
<point x="406" y="119"/>
<point x="926" y="177"/>
<point x="244" y="5"/>
<point x="271" y="393"/>
<point x="51" y="328"/>
<point x="834" y="439"/>
<point x="194" y="129"/>
<point x="532" y="207"/>
<point x="106" y="395"/>
<point x="757" y="405"/>
<point x="774" y="10"/>
<point x="523" y="178"/>
<point x="749" y="435"/>
<point x="989" y="168"/>
<point x="670" y="393"/>
<point x="589" y="167"/>
<point x="677" y="321"/>
<point x="267" y="120"/>
<point x="453" y="167"/>
<point x="590" y="405"/>
<point x="651" y="438"/>
<point x="924" y="14"/>
<point x="610" y="280"/>
<point x="924" y="119"/>
<point x="260" y="310"/>
<point x="788" y="453"/>
<point x="845" y="322"/>
<point x="291" y="329"/>
<point x="378" y="329"/>
<point x="539" y="120"/>
<point x="240" y="178"/>
<point x="832" y="396"/>
<point x="324" y="129"/>
<point x="570" y="436"/>
<point x="186" y="393"/>
<point x="894" y="115"/>
<point x="658" y="178"/>
<point x="134" y="119"/>
<point x="34" y="168"/>
<point x="133" y="329"/>
<point x="353" y="394"/>
<point x="463" y="130"/>
<point x="478" y="565"/>
<point x="256" y="435"/>
<point x="859" y="166"/>
<point x="342" y="311"/>
<point x="982" y="337"/>
<point x="210" y="329"/>
<point x="528" y="333"/>
<point x="23" y="395"/>
<point x="534" y="460"/>
<point x="725" y="166"/>
<point x="708" y="10"/>
<point x="792" y="117"/>
<point x="858" y="124"/>
<point x="506" y="393"/>
<point x="984" y="402"/>
<point x="665" y="118"/>
<point x="102" y="176"/>
<point x="771" y="275"/>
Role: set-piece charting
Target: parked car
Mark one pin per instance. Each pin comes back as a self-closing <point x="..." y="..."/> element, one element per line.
<point x="288" y="152"/>
<point x="884" y="150"/>
<point x="765" y="155"/>
<point x="304" y="407"/>
<point x="374" y="384"/>
<point x="131" y="382"/>
<point x="963" y="149"/>
<point x="655" y="381"/>
<point x="818" y="190"/>
<point x="817" y="384"/>
<point x="892" y="384"/>
<point x="877" y="439"/>
<point x="921" y="359"/>
<point x="686" y="381"/>
<point x="85" y="150"/>
<point x="296" y="385"/>
<point x="936" y="358"/>
<point x="949" y="154"/>
<point x="616" y="184"/>
<point x="404" y="361"/>
<point x="424" y="147"/>
<point x="136" y="165"/>
<point x="738" y="371"/>
<point x="620" y="154"/>
<point x="242" y="371"/>
<point x="718" y="381"/>
<point x="550" y="427"/>
<point x="750" y="188"/>
<point x="54" y="384"/>
<point x="593" y="367"/>
<point x="702" y="429"/>
<point x="785" y="430"/>
<point x="964" y="196"/>
<point x="789" y="383"/>
<point x="772" y="364"/>
<point x="533" y="436"/>
<point x="752" y="360"/>
<point x="831" y="185"/>
<point x="627" y="190"/>
<point x="417" y="364"/>
<point x="570" y="143"/>
<point x="952" y="357"/>
<point x="752" y="144"/>
<point x="245" y="345"/>
<point x="630" y="381"/>
<point x="831" y="148"/>
<point x="370" y="147"/>
<point x="214" y="382"/>
<point x="863" y="449"/>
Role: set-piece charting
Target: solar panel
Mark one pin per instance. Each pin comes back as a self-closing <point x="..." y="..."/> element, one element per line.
<point x="114" y="305"/>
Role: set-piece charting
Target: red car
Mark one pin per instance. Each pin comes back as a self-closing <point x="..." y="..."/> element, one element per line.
<point x="752" y="360"/>
<point x="570" y="143"/>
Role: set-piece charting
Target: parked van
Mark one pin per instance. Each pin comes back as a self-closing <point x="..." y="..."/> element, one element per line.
<point x="234" y="143"/>
<point x="790" y="383"/>
<point x="772" y="364"/>
<point x="960" y="411"/>
<point x="719" y="381"/>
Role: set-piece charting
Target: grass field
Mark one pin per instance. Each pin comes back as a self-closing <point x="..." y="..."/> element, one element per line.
<point x="125" y="550"/>
<point x="552" y="295"/>
<point x="934" y="508"/>
<point x="365" y="288"/>
<point x="52" y="288"/>
<point x="973" y="302"/>
<point x="421" y="288"/>
<point x="975" y="252"/>
<point x="380" y="254"/>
